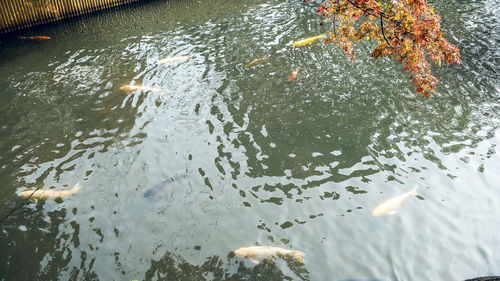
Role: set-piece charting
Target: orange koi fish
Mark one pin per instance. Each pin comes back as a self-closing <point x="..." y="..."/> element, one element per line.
<point x="35" y="38"/>
<point x="294" y="74"/>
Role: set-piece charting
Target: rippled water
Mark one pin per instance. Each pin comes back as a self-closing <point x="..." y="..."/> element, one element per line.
<point x="255" y="159"/>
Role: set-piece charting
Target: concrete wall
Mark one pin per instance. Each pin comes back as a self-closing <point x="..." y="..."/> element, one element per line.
<point x="20" y="14"/>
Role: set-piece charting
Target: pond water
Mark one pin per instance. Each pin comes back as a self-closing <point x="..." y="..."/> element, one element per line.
<point x="248" y="157"/>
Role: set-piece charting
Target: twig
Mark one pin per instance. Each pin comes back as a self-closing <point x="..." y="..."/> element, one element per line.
<point x="383" y="33"/>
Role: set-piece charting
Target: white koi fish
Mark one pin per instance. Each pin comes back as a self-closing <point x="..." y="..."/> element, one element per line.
<point x="49" y="194"/>
<point x="256" y="254"/>
<point x="175" y="59"/>
<point x="132" y="88"/>
<point x="389" y="206"/>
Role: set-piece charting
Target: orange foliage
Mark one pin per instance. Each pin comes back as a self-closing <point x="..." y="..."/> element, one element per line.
<point x="407" y="30"/>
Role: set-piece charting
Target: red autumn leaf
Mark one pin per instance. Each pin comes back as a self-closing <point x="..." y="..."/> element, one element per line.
<point x="408" y="30"/>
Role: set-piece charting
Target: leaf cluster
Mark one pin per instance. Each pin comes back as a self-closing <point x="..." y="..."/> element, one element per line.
<point x="408" y="30"/>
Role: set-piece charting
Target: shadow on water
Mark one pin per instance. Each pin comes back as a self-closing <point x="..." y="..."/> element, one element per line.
<point x="22" y="244"/>
<point x="214" y="268"/>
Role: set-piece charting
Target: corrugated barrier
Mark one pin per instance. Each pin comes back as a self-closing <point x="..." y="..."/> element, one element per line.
<point x="21" y="14"/>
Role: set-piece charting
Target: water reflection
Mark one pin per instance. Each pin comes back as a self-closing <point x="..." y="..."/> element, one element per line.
<point x="255" y="158"/>
<point x="172" y="267"/>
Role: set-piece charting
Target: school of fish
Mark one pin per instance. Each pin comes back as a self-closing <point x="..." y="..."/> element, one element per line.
<point x="254" y="254"/>
<point x="179" y="59"/>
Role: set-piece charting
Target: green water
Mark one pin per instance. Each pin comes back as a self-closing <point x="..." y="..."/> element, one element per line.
<point x="256" y="159"/>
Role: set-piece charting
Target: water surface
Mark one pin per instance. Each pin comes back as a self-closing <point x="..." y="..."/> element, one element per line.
<point x="258" y="160"/>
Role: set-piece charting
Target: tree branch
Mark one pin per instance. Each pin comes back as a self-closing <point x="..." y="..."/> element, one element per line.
<point x="383" y="33"/>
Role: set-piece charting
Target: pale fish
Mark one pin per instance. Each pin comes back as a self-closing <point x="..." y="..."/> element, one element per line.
<point x="256" y="61"/>
<point x="308" y="40"/>
<point x="163" y="186"/>
<point x="256" y="254"/>
<point x="389" y="206"/>
<point x="133" y="88"/>
<point x="175" y="59"/>
<point x="50" y="193"/>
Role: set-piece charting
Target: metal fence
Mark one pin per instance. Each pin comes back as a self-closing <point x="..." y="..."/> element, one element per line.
<point x="21" y="14"/>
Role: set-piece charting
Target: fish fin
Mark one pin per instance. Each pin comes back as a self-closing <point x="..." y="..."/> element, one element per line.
<point x="269" y="261"/>
<point x="392" y="212"/>
<point x="254" y="260"/>
<point x="33" y="200"/>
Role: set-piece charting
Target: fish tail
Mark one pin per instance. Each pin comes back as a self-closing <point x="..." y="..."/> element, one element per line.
<point x="413" y="191"/>
<point x="76" y="187"/>
<point x="298" y="255"/>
